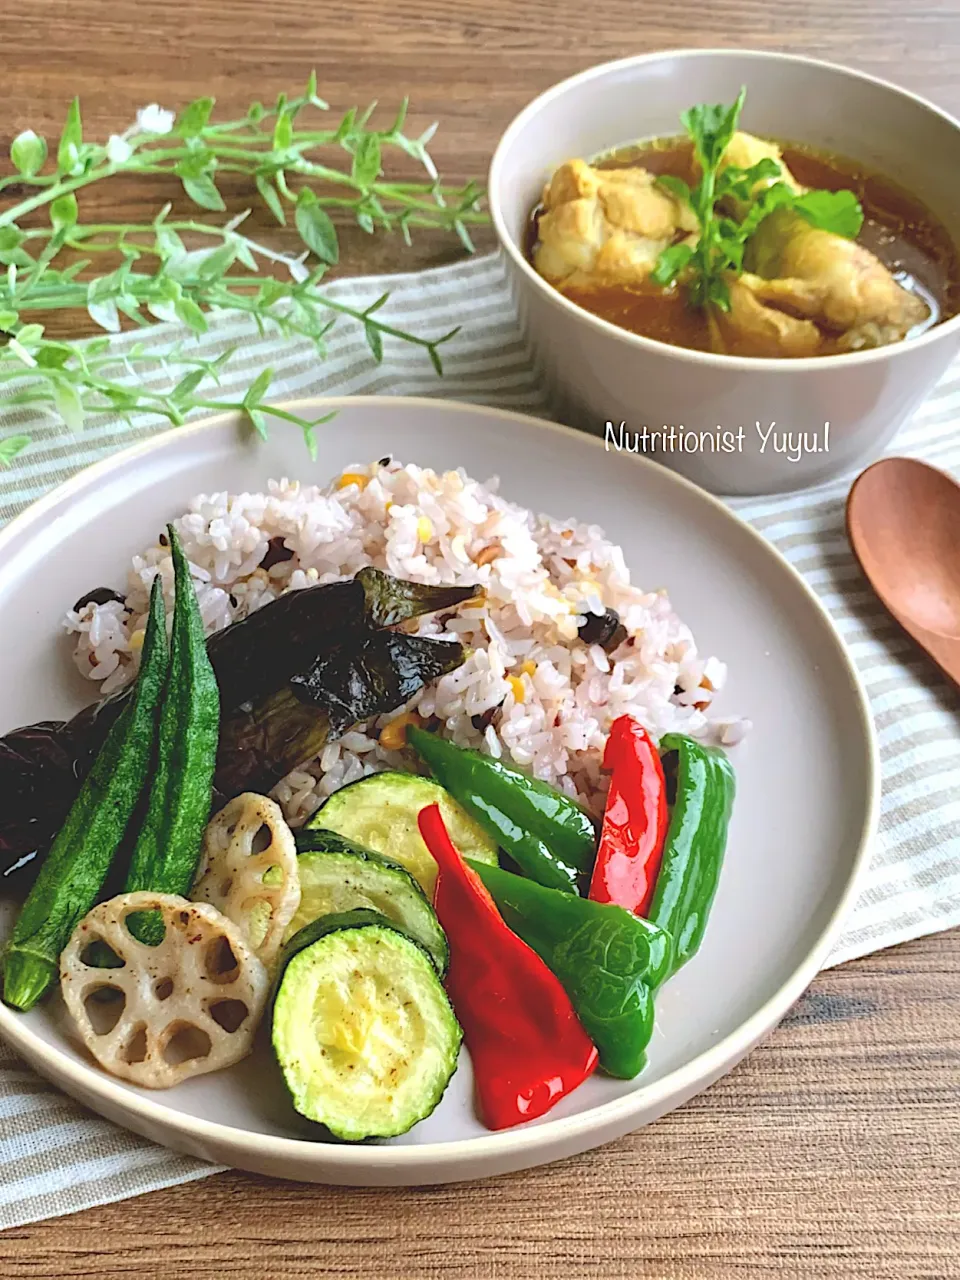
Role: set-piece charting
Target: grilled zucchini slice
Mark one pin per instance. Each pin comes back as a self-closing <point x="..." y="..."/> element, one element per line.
<point x="337" y="875"/>
<point x="365" y="1036"/>
<point x="380" y="813"/>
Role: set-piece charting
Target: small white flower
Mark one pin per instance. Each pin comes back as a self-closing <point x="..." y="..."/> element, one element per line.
<point x="118" y="149"/>
<point x="155" y="119"/>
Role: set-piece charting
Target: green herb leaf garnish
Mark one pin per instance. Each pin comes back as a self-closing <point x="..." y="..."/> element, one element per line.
<point x="836" y="211"/>
<point x="757" y="191"/>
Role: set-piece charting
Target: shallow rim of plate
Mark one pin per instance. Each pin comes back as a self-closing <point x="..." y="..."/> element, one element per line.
<point x="690" y="1076"/>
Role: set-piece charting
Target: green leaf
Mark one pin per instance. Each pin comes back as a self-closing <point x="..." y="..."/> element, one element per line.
<point x="11" y="250"/>
<point x="365" y="167"/>
<point x="271" y="198"/>
<point x="30" y="335"/>
<point x="345" y="127"/>
<point x="130" y="306"/>
<point x="316" y="230"/>
<point x="11" y="447"/>
<point x="269" y="292"/>
<point x="8" y="320"/>
<point x="193" y="119"/>
<point x="257" y="389"/>
<point x="671" y="262"/>
<point x="711" y="128"/>
<point x="187" y="385"/>
<point x="74" y="269"/>
<point x="740" y="183"/>
<point x="676" y="186"/>
<point x="187" y="266"/>
<point x="718" y="294"/>
<point x="120" y="398"/>
<point x="64" y="211"/>
<point x="202" y="190"/>
<point x="68" y="151"/>
<point x="191" y="315"/>
<point x="69" y="404"/>
<point x="104" y="313"/>
<point x="168" y="244"/>
<point x="164" y="307"/>
<point x="28" y="151"/>
<point x="463" y="235"/>
<point x="54" y="355"/>
<point x="244" y="255"/>
<point x="401" y="116"/>
<point x="218" y="262"/>
<point x="164" y="311"/>
<point x="377" y="303"/>
<point x="730" y="244"/>
<point x="259" y="421"/>
<point x="836" y="211"/>
<point x="198" y="161"/>
<point x="309" y="441"/>
<point x="283" y="131"/>
<point x="374" y="340"/>
<point x="15" y="257"/>
<point x="101" y="302"/>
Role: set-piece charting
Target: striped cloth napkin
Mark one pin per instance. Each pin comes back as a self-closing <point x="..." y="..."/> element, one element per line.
<point x="56" y="1157"/>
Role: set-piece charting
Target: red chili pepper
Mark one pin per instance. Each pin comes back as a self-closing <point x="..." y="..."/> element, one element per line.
<point x="527" y="1045"/>
<point x="634" y="823"/>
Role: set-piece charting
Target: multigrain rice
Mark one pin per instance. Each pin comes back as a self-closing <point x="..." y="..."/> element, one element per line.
<point x="530" y="691"/>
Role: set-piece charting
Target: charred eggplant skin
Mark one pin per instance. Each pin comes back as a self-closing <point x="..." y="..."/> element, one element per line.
<point x="261" y="653"/>
<point x="267" y="727"/>
<point x="259" y="745"/>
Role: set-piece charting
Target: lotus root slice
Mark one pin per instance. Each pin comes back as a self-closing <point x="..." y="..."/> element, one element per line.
<point x="248" y="870"/>
<point x="187" y="1006"/>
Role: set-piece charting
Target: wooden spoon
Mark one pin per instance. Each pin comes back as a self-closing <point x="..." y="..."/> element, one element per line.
<point x="903" y="521"/>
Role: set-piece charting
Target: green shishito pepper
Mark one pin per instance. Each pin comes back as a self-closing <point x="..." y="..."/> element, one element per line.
<point x="549" y="837"/>
<point x="609" y="961"/>
<point x="695" y="843"/>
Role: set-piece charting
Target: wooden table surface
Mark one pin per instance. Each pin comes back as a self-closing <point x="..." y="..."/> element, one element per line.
<point x="834" y="1150"/>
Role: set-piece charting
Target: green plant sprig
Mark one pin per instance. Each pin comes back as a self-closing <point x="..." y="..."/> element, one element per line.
<point x="160" y="279"/>
<point x="756" y="191"/>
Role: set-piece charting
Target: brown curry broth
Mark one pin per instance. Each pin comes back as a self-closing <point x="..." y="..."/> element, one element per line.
<point x="897" y="227"/>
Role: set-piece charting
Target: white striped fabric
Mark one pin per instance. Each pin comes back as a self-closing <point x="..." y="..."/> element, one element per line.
<point x="54" y="1156"/>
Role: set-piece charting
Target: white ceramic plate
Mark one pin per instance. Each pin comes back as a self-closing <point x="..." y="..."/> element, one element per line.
<point x="807" y="775"/>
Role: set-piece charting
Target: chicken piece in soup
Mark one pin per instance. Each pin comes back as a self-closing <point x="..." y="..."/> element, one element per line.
<point x="606" y="226"/>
